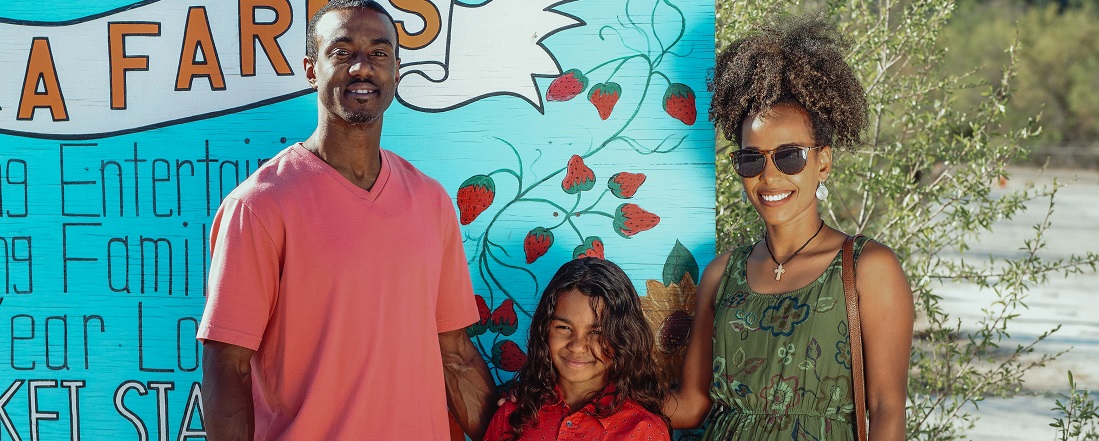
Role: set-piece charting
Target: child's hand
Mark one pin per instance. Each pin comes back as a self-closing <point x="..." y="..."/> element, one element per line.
<point x="510" y="395"/>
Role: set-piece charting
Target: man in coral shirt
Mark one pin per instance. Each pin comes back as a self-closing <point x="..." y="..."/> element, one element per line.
<point x="339" y="291"/>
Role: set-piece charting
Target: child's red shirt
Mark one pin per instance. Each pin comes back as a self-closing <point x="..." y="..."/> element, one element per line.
<point x="555" y="422"/>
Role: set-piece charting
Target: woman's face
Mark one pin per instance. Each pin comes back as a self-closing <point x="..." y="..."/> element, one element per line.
<point x="778" y="197"/>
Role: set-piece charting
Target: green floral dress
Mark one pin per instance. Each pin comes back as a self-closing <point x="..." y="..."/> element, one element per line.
<point x="782" y="362"/>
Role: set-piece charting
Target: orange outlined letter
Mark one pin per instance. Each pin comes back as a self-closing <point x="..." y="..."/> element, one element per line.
<point x="433" y="23"/>
<point x="265" y="33"/>
<point x="197" y="37"/>
<point x="313" y="6"/>
<point x="120" y="63"/>
<point x="41" y="70"/>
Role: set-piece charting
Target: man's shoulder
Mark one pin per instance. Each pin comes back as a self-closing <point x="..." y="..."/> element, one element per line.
<point x="412" y="175"/>
<point x="273" y="177"/>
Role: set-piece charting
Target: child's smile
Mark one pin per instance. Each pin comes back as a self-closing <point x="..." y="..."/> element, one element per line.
<point x="576" y="348"/>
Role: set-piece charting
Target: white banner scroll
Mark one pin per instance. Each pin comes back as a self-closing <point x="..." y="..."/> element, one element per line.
<point x="164" y="62"/>
<point x="494" y="49"/>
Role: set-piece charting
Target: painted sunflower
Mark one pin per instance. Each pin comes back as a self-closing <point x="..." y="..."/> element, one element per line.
<point x="670" y="312"/>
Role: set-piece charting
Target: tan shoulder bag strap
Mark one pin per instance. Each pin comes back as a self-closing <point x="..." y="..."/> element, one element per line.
<point x="854" y="325"/>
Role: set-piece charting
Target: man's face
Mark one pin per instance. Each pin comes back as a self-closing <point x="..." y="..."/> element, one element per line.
<point x="355" y="71"/>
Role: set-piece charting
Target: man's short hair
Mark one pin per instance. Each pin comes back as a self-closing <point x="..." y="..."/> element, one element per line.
<point x="332" y="5"/>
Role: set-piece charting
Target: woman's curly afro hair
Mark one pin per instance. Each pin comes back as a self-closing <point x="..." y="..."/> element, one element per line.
<point x="791" y="60"/>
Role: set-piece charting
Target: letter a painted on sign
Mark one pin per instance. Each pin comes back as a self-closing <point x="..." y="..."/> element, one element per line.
<point x="198" y="39"/>
<point x="41" y="70"/>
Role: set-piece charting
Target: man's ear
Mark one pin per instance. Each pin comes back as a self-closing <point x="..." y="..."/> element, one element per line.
<point x="397" y="74"/>
<point x="310" y="75"/>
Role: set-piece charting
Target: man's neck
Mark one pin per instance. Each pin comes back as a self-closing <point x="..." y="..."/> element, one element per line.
<point x="353" y="151"/>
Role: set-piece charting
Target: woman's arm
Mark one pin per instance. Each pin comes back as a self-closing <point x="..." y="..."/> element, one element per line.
<point x="688" y="405"/>
<point x="886" y="308"/>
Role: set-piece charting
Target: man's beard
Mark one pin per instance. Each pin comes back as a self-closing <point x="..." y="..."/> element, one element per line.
<point x="361" y="117"/>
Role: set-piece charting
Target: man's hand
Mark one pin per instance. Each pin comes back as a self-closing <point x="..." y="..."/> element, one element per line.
<point x="469" y="386"/>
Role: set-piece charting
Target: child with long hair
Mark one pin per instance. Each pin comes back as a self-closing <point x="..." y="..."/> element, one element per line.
<point x="590" y="372"/>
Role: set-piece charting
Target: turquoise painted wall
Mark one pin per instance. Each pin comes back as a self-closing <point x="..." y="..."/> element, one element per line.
<point x="104" y="213"/>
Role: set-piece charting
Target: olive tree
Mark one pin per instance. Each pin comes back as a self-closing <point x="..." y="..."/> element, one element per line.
<point x="923" y="184"/>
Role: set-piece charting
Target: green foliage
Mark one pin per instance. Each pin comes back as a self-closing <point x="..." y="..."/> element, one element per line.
<point x="924" y="185"/>
<point x="1058" y="57"/>
<point x="1081" y="415"/>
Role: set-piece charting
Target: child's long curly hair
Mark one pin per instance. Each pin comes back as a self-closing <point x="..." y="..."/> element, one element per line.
<point x="627" y="343"/>
<point x="792" y="60"/>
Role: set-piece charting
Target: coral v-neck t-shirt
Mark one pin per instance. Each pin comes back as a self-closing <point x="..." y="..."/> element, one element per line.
<point x="342" y="293"/>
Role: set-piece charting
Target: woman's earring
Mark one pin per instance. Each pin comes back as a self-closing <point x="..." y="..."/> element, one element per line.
<point x="822" y="191"/>
<point x="743" y="196"/>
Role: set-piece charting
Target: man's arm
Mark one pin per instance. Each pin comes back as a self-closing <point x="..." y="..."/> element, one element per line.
<point x="469" y="387"/>
<point x="227" y="392"/>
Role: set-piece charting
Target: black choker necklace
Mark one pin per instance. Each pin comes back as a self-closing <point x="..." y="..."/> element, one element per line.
<point x="780" y="270"/>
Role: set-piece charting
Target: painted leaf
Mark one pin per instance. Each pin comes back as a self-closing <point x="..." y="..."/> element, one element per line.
<point x="680" y="261"/>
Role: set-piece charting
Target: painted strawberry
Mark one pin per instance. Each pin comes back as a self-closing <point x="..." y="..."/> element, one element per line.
<point x="630" y="219"/>
<point x="604" y="96"/>
<point x="578" y="176"/>
<point x="679" y="102"/>
<point x="537" y="243"/>
<point x="624" y="184"/>
<point x="592" y="247"/>
<point x="503" y="320"/>
<point x="474" y="196"/>
<point x="480" y="326"/>
<point x="567" y="86"/>
<point x="507" y="356"/>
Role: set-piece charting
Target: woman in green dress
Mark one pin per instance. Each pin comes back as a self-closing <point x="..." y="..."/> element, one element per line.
<point x="769" y="347"/>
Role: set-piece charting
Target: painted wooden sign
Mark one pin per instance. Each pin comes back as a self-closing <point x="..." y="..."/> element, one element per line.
<point x="560" y="128"/>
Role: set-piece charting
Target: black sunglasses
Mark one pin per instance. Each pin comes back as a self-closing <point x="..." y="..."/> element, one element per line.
<point x="789" y="159"/>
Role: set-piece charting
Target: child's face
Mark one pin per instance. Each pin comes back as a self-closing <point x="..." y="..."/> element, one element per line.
<point x="575" y="345"/>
